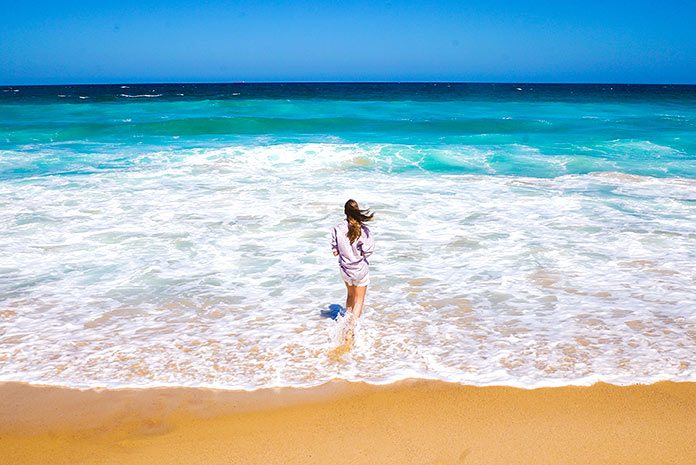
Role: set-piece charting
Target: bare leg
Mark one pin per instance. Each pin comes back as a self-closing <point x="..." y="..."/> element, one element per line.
<point x="359" y="300"/>
<point x="350" y="303"/>
<point x="358" y="296"/>
<point x="350" y="297"/>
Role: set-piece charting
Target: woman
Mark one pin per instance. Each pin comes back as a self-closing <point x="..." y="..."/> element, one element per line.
<point x="352" y="242"/>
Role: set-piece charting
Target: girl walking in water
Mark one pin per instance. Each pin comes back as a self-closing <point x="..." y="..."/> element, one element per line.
<point x="353" y="243"/>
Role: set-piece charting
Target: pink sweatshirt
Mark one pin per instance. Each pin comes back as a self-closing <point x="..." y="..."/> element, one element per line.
<point x="352" y="258"/>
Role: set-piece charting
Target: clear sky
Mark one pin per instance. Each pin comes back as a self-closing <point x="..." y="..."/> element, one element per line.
<point x="64" y="41"/>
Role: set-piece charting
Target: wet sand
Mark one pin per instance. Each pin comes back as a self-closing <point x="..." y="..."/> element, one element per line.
<point x="410" y="422"/>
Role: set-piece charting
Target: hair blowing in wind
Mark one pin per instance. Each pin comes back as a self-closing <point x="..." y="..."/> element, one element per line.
<point x="356" y="217"/>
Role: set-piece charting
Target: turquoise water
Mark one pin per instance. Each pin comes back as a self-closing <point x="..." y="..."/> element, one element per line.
<point x="526" y="130"/>
<point x="178" y="234"/>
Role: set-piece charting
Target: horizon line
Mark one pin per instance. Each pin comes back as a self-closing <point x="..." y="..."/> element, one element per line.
<point x="156" y="83"/>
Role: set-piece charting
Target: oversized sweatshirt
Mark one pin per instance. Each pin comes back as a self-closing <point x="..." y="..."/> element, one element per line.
<point x="352" y="258"/>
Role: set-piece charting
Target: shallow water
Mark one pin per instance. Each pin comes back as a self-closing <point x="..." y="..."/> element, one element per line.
<point x="156" y="242"/>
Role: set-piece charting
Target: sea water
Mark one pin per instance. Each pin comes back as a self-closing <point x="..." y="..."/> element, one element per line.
<point x="526" y="235"/>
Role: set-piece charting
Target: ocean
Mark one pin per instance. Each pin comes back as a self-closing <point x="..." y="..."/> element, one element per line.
<point x="526" y="234"/>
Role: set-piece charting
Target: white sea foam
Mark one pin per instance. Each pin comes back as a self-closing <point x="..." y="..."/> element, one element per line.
<point x="210" y="268"/>
<point x="141" y="95"/>
<point x="636" y="148"/>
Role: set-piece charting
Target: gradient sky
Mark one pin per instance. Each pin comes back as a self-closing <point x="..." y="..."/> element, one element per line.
<point x="61" y="41"/>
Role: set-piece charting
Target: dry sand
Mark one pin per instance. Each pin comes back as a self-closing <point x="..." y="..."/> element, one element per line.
<point x="410" y="422"/>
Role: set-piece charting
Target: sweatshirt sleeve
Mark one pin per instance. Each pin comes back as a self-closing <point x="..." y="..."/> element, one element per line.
<point x="367" y="243"/>
<point x="334" y="240"/>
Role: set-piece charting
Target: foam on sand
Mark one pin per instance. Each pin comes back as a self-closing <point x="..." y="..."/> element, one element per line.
<point x="210" y="269"/>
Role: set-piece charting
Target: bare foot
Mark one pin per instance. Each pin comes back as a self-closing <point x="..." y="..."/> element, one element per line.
<point x="350" y="336"/>
<point x="350" y="330"/>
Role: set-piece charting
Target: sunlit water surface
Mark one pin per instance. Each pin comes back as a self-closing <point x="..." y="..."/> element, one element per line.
<point x="535" y="242"/>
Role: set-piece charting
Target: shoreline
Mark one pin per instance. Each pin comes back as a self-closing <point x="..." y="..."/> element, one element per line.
<point x="333" y="383"/>
<point x="412" y="421"/>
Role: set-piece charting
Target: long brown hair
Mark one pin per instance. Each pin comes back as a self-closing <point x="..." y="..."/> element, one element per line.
<point x="356" y="217"/>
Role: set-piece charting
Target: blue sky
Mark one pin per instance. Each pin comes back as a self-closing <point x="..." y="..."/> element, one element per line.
<point x="52" y="42"/>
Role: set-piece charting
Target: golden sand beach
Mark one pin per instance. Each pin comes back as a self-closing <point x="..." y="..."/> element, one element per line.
<point x="409" y="422"/>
